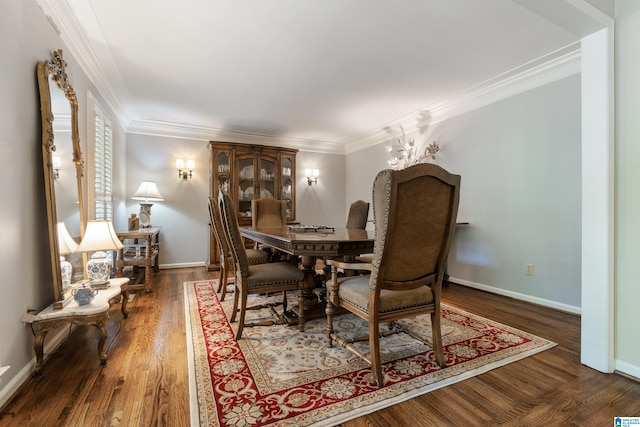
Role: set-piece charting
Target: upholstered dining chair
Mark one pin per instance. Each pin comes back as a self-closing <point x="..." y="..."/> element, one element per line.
<point x="258" y="278"/>
<point x="415" y="212"/>
<point x="226" y="259"/>
<point x="358" y="214"/>
<point x="268" y="212"/>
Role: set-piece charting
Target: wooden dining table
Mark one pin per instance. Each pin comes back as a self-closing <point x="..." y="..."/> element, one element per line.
<point x="306" y="244"/>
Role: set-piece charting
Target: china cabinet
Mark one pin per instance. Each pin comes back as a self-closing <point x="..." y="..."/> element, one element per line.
<point x="247" y="172"/>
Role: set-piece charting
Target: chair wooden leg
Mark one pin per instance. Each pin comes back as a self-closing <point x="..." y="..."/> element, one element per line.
<point x="374" y="346"/>
<point x="301" y="318"/>
<point x="436" y="335"/>
<point x="222" y="287"/>
<point x="234" y="310"/>
<point x="243" y="311"/>
<point x="329" y="310"/>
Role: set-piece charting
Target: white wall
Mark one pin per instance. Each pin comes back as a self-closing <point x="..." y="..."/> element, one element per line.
<point x="520" y="165"/>
<point x="183" y="215"/>
<point x="323" y="203"/>
<point x="627" y="292"/>
<point x="26" y="37"/>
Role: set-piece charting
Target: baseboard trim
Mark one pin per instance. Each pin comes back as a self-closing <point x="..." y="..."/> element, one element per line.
<point x="55" y="338"/>
<point x="627" y="370"/>
<point x="516" y="295"/>
<point x="182" y="265"/>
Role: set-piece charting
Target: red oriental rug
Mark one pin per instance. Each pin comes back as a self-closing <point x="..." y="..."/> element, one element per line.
<point x="279" y="376"/>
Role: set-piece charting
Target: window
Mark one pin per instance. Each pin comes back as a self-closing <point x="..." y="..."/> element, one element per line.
<point x="103" y="166"/>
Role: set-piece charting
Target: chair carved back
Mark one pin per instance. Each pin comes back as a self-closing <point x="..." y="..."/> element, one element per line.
<point x="230" y="223"/>
<point x="415" y="211"/>
<point x="218" y="230"/>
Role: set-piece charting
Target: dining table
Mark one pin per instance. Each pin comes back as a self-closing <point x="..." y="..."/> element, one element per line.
<point x="306" y="244"/>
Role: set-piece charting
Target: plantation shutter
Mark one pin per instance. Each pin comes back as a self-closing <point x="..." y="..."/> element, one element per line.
<point x="103" y="167"/>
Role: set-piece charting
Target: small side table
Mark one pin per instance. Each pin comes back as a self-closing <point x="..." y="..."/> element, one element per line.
<point x="95" y="313"/>
<point x="149" y="260"/>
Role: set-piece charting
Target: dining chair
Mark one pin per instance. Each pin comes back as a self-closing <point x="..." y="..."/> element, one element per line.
<point x="226" y="259"/>
<point x="258" y="278"/>
<point x="358" y="214"/>
<point x="268" y="212"/>
<point x="415" y="212"/>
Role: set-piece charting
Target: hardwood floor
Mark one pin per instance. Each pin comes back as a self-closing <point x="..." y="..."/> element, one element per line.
<point x="145" y="382"/>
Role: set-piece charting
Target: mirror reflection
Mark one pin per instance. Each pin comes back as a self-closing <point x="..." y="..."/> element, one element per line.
<point x="65" y="181"/>
<point x="63" y="170"/>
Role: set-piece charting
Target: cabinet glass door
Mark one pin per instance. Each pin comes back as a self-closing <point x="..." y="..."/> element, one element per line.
<point x="286" y="184"/>
<point x="223" y="170"/>
<point x="246" y="185"/>
<point x="267" y="179"/>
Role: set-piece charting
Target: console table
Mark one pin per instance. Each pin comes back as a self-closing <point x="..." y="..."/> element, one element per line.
<point x="95" y="313"/>
<point x="143" y="252"/>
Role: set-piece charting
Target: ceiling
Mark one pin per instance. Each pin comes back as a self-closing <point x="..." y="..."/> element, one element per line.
<point x="315" y="72"/>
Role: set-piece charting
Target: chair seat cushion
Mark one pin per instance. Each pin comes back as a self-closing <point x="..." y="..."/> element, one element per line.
<point x="256" y="256"/>
<point x="275" y="273"/>
<point x="355" y="290"/>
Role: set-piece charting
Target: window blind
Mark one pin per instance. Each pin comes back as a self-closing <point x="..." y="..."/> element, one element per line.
<point x="103" y="159"/>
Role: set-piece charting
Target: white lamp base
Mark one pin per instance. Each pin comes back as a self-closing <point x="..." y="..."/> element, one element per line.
<point x="99" y="268"/>
<point x="145" y="215"/>
<point x="66" y="269"/>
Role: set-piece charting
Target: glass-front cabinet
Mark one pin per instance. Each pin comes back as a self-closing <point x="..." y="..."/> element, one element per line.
<point x="250" y="172"/>
<point x="287" y="180"/>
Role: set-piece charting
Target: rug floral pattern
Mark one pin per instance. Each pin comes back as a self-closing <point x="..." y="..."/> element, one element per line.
<point x="279" y="376"/>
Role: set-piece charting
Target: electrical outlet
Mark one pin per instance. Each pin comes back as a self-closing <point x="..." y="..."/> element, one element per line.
<point x="528" y="269"/>
<point x="26" y="316"/>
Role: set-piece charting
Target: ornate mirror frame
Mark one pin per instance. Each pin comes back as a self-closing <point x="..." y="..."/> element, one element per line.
<point x="55" y="70"/>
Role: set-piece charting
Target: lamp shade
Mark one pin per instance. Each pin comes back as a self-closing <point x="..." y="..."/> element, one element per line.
<point x="66" y="244"/>
<point x="99" y="236"/>
<point x="148" y="191"/>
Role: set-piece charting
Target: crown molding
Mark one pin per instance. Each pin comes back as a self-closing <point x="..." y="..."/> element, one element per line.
<point x="204" y="133"/>
<point x="552" y="67"/>
<point x="73" y="35"/>
<point x="549" y="68"/>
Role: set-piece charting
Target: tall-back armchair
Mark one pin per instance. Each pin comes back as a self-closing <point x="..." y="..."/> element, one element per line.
<point x="226" y="259"/>
<point x="415" y="213"/>
<point x="358" y="214"/>
<point x="268" y="212"/>
<point x="258" y="278"/>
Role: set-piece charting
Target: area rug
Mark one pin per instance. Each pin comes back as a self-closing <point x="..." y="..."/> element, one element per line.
<point x="279" y="376"/>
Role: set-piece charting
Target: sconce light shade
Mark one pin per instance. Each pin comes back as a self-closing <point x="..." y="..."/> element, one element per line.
<point x="148" y="191"/>
<point x="188" y="173"/>
<point x="312" y="175"/>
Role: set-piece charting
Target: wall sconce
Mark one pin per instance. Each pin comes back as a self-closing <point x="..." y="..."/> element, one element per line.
<point x="188" y="173"/>
<point x="57" y="164"/>
<point x="312" y="175"/>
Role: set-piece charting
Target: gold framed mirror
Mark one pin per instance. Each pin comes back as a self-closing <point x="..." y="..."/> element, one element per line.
<point x="62" y="162"/>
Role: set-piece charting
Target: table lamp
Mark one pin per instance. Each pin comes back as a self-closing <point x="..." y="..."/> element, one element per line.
<point x="148" y="192"/>
<point x="66" y="245"/>
<point x="99" y="236"/>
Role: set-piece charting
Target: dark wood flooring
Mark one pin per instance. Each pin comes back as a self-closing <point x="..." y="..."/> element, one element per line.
<point x="145" y="382"/>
